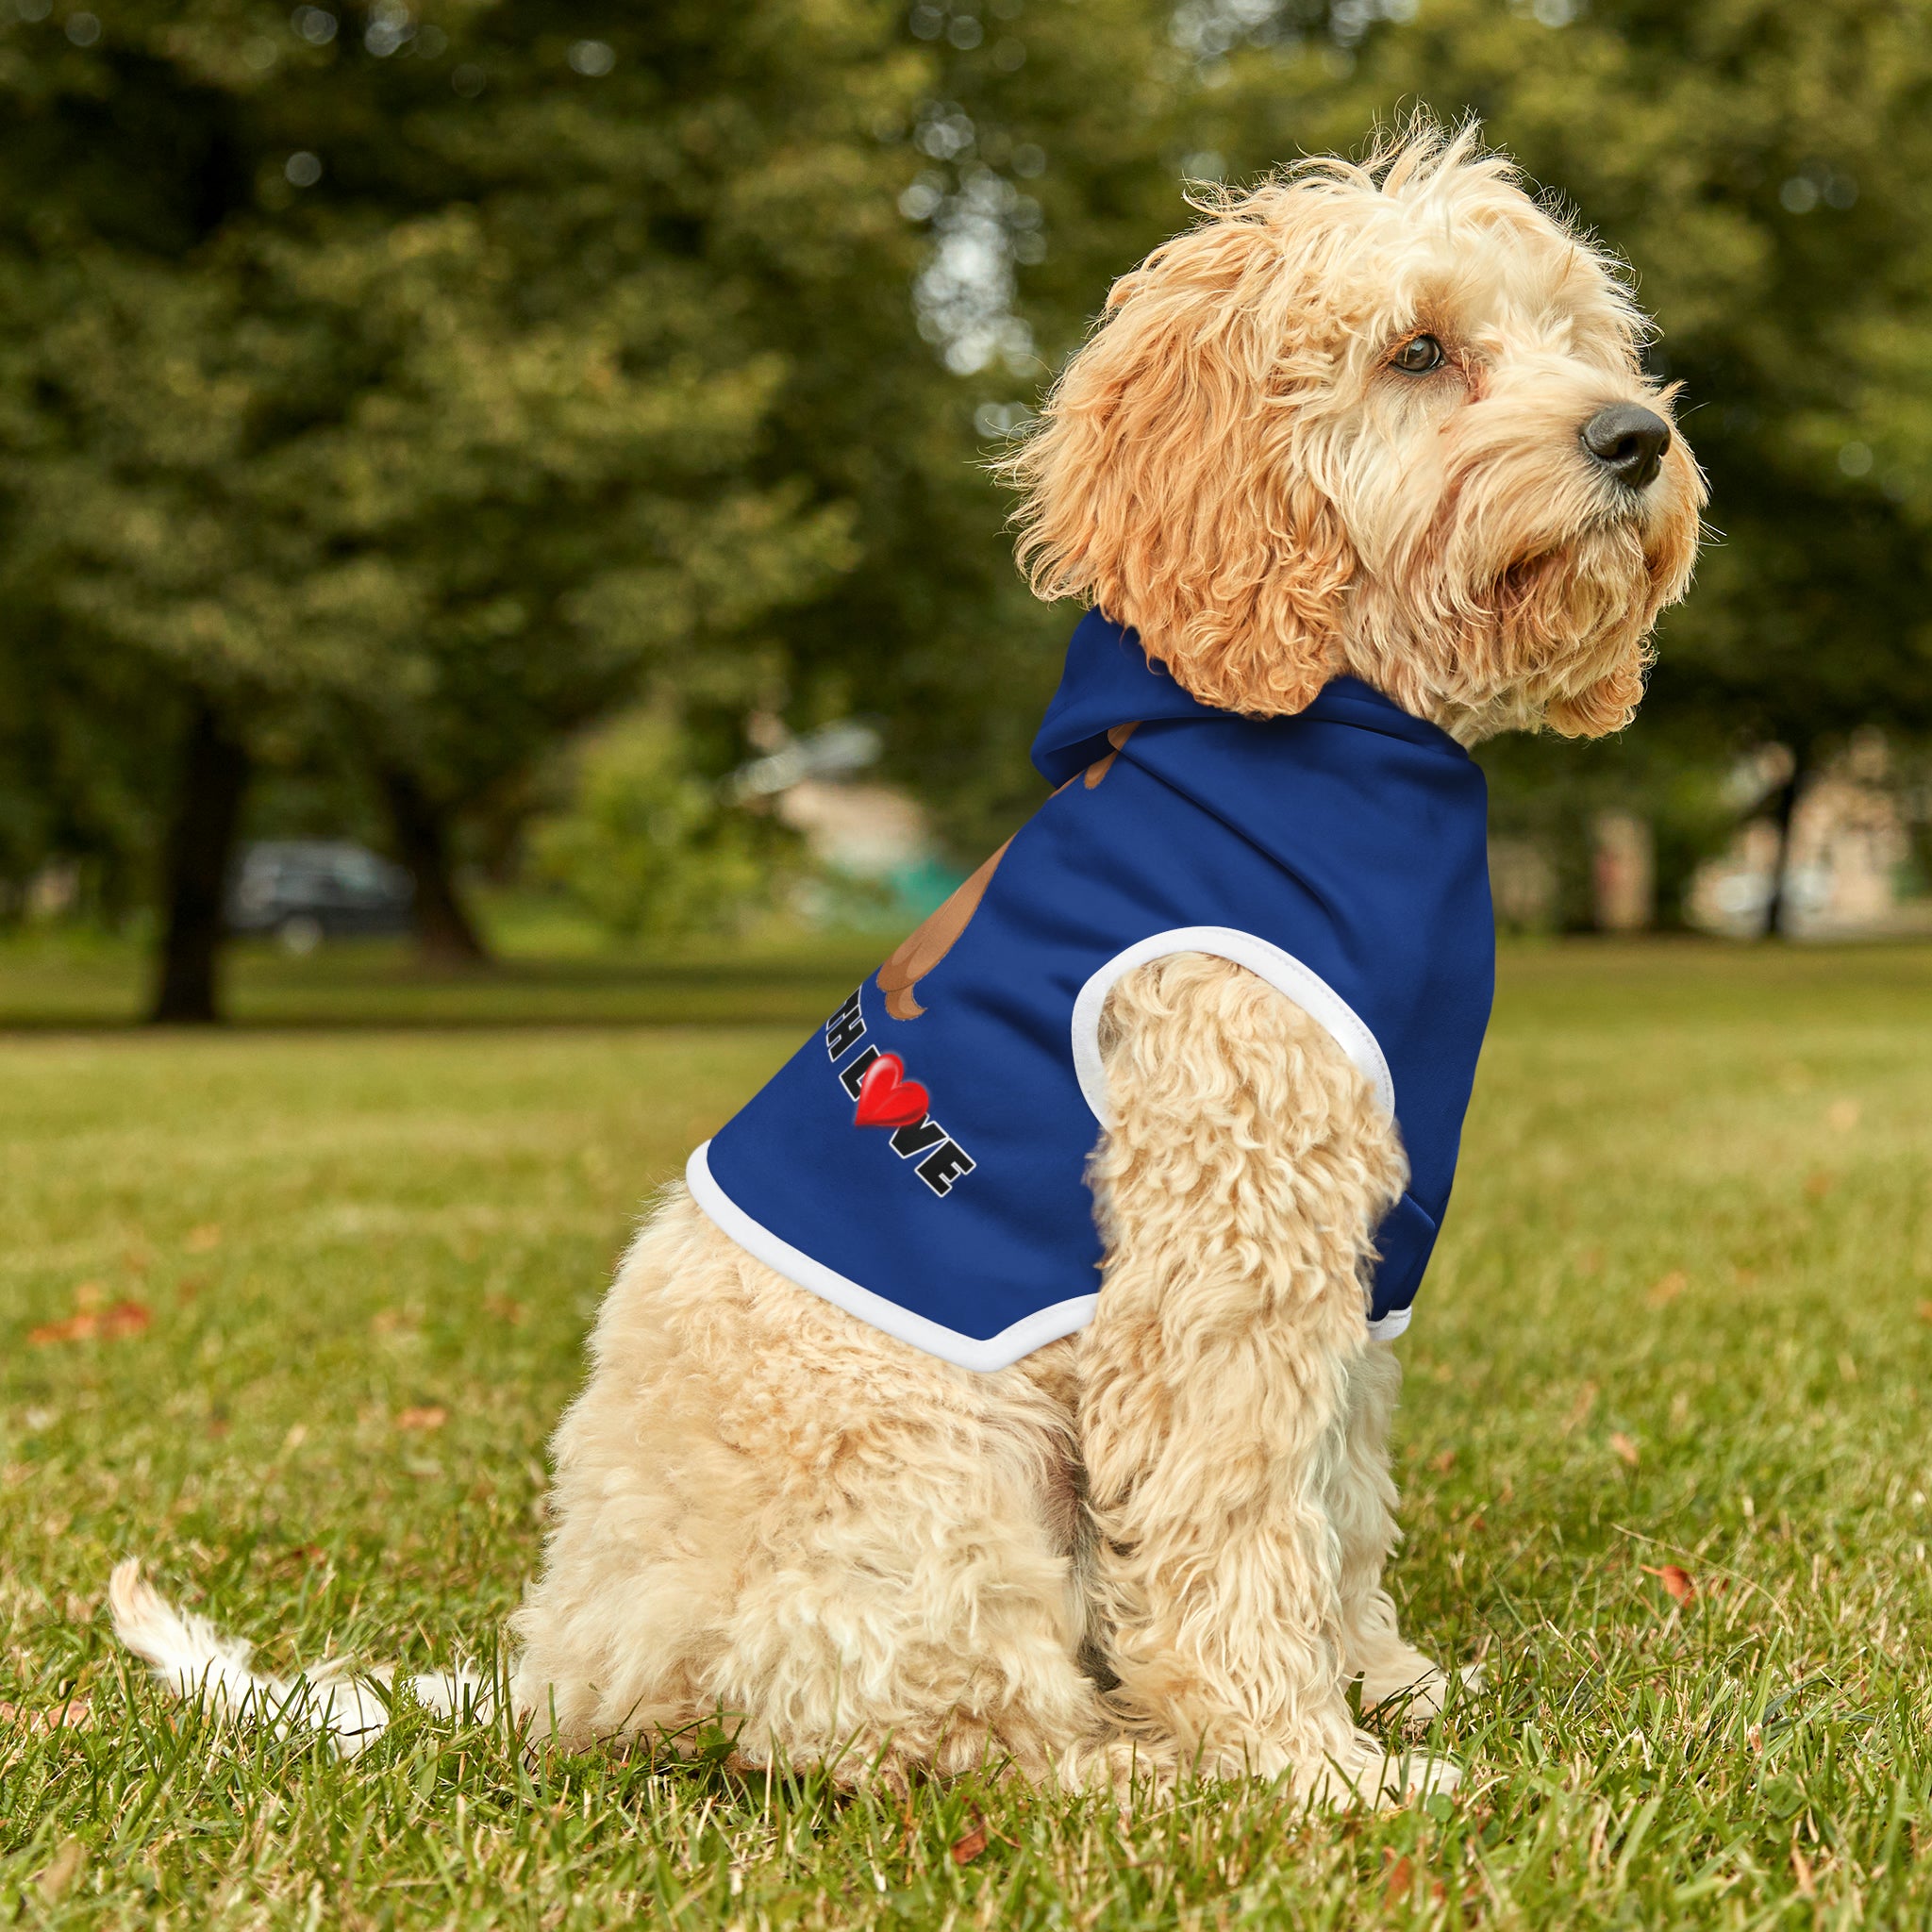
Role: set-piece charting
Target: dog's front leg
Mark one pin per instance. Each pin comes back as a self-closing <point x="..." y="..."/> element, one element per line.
<point x="1361" y="1503"/>
<point x="1237" y="1188"/>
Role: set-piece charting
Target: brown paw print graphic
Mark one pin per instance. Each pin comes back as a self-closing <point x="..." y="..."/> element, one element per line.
<point x="924" y="948"/>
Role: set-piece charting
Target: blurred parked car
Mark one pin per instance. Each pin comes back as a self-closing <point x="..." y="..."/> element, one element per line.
<point x="304" y="891"/>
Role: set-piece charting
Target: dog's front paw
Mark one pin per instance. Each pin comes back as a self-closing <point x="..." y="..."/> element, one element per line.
<point x="1367" y="1772"/>
<point x="1412" y="1689"/>
<point x="1412" y="1777"/>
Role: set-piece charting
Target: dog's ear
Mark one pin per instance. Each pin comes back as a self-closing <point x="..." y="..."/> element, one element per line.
<point x="1167" y="481"/>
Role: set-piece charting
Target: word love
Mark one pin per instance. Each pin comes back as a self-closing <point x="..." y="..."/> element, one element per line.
<point x="887" y="1099"/>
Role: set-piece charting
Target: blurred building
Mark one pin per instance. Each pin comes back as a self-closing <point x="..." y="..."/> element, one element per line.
<point x="879" y="863"/>
<point x="1522" y="885"/>
<point x="1848" y="872"/>
<point x="1622" y="873"/>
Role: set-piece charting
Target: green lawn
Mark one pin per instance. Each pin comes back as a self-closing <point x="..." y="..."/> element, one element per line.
<point x="1679" y="1319"/>
<point x="62" y="981"/>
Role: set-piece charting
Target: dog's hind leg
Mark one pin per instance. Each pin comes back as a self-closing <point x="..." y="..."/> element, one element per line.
<point x="769" y="1517"/>
<point x="1237" y="1188"/>
<point x="906" y="1599"/>
<point x="1361" y="1506"/>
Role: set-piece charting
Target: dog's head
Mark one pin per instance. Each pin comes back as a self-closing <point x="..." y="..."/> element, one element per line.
<point x="1387" y="418"/>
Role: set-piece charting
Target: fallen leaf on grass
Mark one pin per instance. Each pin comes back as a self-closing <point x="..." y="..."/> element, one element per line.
<point x="1443" y="1463"/>
<point x="1669" y="1288"/>
<point x="203" y="1239"/>
<point x="969" y="1847"/>
<point x="1925" y="1311"/>
<point x="75" y="1715"/>
<point x="505" y="1308"/>
<point x="428" y="1417"/>
<point x="61" y="1870"/>
<point x="1678" y="1584"/>
<point x="1625" y="1448"/>
<point x="1801" y="1871"/>
<point x="1400" y="1882"/>
<point x="110" y="1324"/>
<point x="76" y="1328"/>
<point x="1818" y="1185"/>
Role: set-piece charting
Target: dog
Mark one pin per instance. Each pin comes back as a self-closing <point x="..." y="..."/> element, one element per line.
<point x="1358" y="470"/>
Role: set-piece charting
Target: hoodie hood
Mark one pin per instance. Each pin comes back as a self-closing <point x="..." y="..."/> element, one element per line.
<point x="1109" y="680"/>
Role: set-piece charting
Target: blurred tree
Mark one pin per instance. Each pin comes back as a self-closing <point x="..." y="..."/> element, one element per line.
<point x="402" y="381"/>
<point x="1045" y="158"/>
<point x="412" y="387"/>
<point x="647" y="846"/>
<point x="78" y="765"/>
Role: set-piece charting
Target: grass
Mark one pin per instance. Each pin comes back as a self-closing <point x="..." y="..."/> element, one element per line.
<point x="546" y="975"/>
<point x="1679" y="1319"/>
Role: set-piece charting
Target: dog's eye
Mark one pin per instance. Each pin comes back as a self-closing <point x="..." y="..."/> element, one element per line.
<point x="1418" y="356"/>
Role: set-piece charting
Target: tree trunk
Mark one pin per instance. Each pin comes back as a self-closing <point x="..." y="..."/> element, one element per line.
<point x="445" y="935"/>
<point x="1778" y="906"/>
<point x="200" y="845"/>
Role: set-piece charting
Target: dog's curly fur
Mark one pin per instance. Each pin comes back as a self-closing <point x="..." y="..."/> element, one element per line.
<point x="1230" y="466"/>
<point x="766" y="1508"/>
<point x="1158" y="1545"/>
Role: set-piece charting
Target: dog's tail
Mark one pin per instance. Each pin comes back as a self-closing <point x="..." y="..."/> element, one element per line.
<point x="195" y="1661"/>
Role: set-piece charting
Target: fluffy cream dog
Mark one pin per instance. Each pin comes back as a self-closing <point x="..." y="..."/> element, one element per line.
<point x="1361" y="419"/>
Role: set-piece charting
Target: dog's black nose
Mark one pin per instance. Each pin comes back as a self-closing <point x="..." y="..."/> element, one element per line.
<point x="1629" y="442"/>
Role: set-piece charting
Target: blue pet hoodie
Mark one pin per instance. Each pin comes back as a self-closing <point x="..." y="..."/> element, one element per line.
<point x="927" y="1172"/>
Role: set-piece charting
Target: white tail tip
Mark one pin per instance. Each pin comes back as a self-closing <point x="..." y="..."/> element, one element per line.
<point x="196" y="1662"/>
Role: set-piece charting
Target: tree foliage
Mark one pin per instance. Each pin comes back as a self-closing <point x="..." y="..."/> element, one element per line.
<point x="413" y="385"/>
<point x="407" y="389"/>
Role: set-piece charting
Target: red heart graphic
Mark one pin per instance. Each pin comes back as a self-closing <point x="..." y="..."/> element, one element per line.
<point x="886" y="1098"/>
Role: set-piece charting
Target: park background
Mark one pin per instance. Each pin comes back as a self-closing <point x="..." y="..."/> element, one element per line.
<point x="557" y="461"/>
<point x="536" y="456"/>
